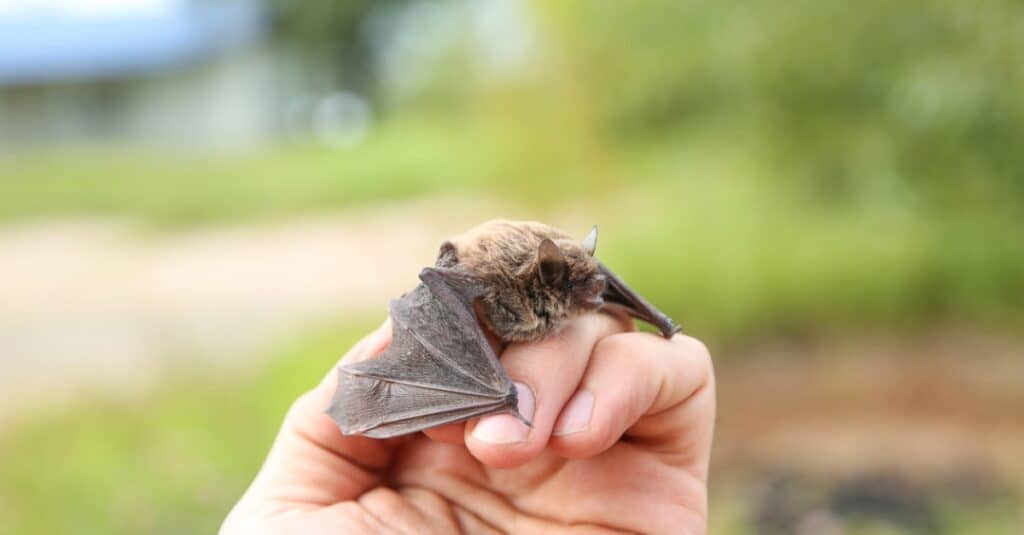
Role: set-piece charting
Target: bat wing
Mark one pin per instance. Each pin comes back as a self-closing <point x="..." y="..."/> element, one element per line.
<point x="618" y="293"/>
<point x="384" y="408"/>
<point x="438" y="369"/>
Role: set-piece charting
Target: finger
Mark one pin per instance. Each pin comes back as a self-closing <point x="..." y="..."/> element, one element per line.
<point x="311" y="461"/>
<point x="547" y="373"/>
<point x="449" y="434"/>
<point x="659" y="392"/>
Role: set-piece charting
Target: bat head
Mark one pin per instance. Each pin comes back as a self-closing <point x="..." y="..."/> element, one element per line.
<point x="569" y="272"/>
<point x="536" y="277"/>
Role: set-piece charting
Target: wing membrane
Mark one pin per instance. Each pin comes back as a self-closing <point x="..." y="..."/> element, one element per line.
<point x="389" y="407"/>
<point x="431" y="347"/>
<point x="438" y="369"/>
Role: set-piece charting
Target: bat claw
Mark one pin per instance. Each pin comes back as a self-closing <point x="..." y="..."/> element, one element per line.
<point x="522" y="419"/>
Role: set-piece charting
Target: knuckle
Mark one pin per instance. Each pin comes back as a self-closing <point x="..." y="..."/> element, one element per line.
<point x="694" y="347"/>
<point x="606" y="324"/>
<point x="632" y="348"/>
<point x="578" y="445"/>
<point x="629" y="357"/>
<point x="616" y="344"/>
<point x="695" y="354"/>
<point x="552" y="347"/>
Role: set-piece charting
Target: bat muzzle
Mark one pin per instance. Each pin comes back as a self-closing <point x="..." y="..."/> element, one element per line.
<point x="591" y="294"/>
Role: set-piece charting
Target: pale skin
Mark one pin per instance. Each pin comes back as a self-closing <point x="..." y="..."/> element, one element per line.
<point x="621" y="438"/>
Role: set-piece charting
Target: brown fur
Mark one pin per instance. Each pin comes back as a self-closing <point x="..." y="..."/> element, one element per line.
<point x="518" y="305"/>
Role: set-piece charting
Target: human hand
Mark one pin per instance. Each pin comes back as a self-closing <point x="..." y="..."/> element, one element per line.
<point x="621" y="438"/>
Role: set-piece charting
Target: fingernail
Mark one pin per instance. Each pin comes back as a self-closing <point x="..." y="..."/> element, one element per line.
<point x="505" y="428"/>
<point x="576" y="415"/>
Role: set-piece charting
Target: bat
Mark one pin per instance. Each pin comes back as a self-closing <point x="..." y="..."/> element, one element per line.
<point x="521" y="281"/>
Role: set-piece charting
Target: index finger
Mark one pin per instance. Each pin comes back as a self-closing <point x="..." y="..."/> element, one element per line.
<point x="547" y="373"/>
<point x="658" y="392"/>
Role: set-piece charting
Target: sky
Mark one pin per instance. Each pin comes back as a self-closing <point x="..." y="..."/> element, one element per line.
<point x="87" y="8"/>
<point x="45" y="41"/>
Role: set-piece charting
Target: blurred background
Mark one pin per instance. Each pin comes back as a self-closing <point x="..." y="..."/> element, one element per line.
<point x="204" y="203"/>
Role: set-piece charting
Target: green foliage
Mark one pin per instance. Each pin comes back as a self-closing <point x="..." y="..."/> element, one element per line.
<point x="923" y="95"/>
<point x="735" y="259"/>
<point x="170" y="189"/>
<point x="332" y="33"/>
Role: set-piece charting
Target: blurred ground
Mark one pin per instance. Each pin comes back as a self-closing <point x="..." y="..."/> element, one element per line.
<point x="930" y="404"/>
<point x="872" y="434"/>
<point x="94" y="305"/>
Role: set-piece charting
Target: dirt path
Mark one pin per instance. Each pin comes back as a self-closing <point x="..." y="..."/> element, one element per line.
<point x="926" y="405"/>
<point x="91" y="305"/>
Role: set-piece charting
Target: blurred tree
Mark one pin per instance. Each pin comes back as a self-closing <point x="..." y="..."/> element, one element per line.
<point x="858" y="101"/>
<point x="332" y="33"/>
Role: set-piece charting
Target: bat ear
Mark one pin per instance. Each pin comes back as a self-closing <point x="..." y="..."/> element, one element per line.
<point x="447" y="256"/>
<point x="550" y="263"/>
<point x="590" y="242"/>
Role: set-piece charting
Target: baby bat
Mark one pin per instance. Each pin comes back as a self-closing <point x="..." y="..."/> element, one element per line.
<point x="522" y="281"/>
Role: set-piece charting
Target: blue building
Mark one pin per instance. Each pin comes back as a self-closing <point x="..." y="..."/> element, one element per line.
<point x="165" y="72"/>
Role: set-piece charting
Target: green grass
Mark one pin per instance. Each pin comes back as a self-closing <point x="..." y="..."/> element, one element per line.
<point x="171" y="189"/>
<point x="171" y="462"/>
<point x="176" y="460"/>
<point x="702" y="221"/>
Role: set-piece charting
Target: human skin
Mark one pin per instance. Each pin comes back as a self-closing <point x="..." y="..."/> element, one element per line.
<point x="621" y="438"/>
